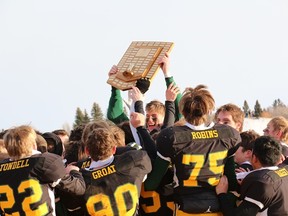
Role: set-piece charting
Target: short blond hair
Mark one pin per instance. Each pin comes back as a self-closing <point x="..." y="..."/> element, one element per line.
<point x="155" y="106"/>
<point x="20" y="141"/>
<point x="280" y="123"/>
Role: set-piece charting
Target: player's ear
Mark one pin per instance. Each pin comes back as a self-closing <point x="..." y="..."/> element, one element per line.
<point x="34" y="146"/>
<point x="114" y="149"/>
<point x="87" y="151"/>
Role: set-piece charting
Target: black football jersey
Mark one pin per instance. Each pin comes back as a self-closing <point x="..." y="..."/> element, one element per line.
<point x="268" y="189"/>
<point x="115" y="188"/>
<point x="198" y="155"/>
<point x="25" y="184"/>
<point x="160" y="201"/>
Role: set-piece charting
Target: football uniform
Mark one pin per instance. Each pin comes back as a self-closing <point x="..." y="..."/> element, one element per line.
<point x="26" y="185"/>
<point x="159" y="201"/>
<point x="114" y="189"/>
<point x="268" y="189"/>
<point x="198" y="157"/>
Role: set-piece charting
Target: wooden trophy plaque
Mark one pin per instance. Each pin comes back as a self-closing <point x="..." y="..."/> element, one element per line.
<point x="139" y="60"/>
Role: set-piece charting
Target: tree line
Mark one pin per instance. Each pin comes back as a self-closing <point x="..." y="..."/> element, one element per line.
<point x="278" y="108"/>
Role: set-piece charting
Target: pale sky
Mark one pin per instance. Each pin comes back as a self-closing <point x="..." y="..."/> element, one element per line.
<point x="55" y="55"/>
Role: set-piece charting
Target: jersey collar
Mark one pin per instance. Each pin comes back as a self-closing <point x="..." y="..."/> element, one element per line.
<point x="101" y="163"/>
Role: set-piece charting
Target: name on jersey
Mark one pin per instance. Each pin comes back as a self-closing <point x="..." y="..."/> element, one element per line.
<point x="103" y="172"/>
<point x="281" y="172"/>
<point x="86" y="164"/>
<point x="14" y="165"/>
<point x="204" y="134"/>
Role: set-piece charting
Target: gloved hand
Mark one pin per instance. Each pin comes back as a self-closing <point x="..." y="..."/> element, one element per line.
<point x="143" y="84"/>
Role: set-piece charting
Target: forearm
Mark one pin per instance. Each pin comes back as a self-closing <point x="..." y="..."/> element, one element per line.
<point x="139" y="107"/>
<point x="148" y="143"/>
<point x="229" y="171"/>
<point x="154" y="178"/>
<point x="169" y="114"/>
<point x="115" y="112"/>
<point x="229" y="208"/>
<point x="168" y="81"/>
<point x="73" y="183"/>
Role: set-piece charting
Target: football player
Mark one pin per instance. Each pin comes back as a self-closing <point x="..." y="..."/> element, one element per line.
<point x="197" y="151"/>
<point x="265" y="189"/>
<point x="28" y="177"/>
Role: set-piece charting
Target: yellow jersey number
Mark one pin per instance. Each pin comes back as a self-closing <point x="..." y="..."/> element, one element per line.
<point x="156" y="201"/>
<point x="36" y="189"/>
<point x="120" y="201"/>
<point x="199" y="159"/>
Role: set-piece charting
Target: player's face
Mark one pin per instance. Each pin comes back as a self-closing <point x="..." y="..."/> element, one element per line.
<point x="154" y="121"/>
<point x="240" y="156"/>
<point x="225" y="117"/>
<point x="270" y="131"/>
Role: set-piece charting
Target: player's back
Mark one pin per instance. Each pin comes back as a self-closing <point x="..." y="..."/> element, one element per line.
<point x="273" y="185"/>
<point x="198" y="157"/>
<point x="114" y="189"/>
<point x="24" y="188"/>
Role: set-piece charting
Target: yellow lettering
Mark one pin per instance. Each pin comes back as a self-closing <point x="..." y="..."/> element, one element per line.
<point x="112" y="168"/>
<point x="204" y="134"/>
<point x="281" y="172"/>
<point x="94" y="174"/>
<point x="104" y="172"/>
<point x="99" y="173"/>
<point x="14" y="165"/>
<point x="86" y="164"/>
<point x="210" y="133"/>
<point x="193" y="135"/>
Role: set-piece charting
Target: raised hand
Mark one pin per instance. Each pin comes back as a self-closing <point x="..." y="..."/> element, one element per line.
<point x="171" y="92"/>
<point x="164" y="64"/>
<point x="113" y="70"/>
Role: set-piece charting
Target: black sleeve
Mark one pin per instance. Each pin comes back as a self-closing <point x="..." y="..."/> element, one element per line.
<point x="164" y="142"/>
<point x="139" y="107"/>
<point x="228" y="207"/>
<point x="169" y="118"/>
<point x="229" y="171"/>
<point x="73" y="183"/>
<point x="148" y="143"/>
<point x="49" y="168"/>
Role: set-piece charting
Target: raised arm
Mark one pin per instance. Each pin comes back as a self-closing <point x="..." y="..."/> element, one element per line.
<point x="171" y="94"/>
<point x="164" y="63"/>
<point x="138" y="121"/>
<point x="115" y="112"/>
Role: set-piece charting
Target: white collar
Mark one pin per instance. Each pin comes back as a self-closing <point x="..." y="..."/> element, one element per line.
<point x="101" y="163"/>
<point x="242" y="175"/>
<point x="199" y="127"/>
<point x="269" y="168"/>
<point x="35" y="152"/>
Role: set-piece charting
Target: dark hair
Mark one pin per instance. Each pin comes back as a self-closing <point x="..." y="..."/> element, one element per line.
<point x="76" y="133"/>
<point x="247" y="138"/>
<point x="75" y="151"/>
<point x="267" y="150"/>
<point x="125" y="126"/>
<point x="54" y="143"/>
